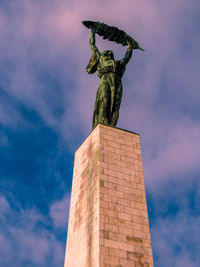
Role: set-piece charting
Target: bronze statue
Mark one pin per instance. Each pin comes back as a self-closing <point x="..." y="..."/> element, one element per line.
<point x="110" y="72"/>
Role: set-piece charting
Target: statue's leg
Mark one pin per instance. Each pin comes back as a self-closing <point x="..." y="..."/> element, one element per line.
<point x="96" y="109"/>
<point x="104" y="102"/>
<point x="95" y="116"/>
<point x="102" y="111"/>
<point x="116" y="105"/>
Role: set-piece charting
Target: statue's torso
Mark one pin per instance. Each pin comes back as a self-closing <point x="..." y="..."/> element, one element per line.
<point x="111" y="66"/>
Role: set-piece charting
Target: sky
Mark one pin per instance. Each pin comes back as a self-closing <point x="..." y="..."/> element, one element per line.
<point x="46" y="108"/>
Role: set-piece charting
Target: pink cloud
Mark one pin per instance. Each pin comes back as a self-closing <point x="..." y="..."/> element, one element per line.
<point x="27" y="239"/>
<point x="176" y="240"/>
<point x="59" y="211"/>
<point x="179" y="147"/>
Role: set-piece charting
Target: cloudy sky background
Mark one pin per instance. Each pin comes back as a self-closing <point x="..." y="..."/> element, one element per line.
<point x="46" y="106"/>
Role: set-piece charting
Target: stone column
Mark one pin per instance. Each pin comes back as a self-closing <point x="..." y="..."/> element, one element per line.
<point x="108" y="221"/>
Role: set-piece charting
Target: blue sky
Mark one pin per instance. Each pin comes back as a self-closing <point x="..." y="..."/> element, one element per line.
<point x="46" y="106"/>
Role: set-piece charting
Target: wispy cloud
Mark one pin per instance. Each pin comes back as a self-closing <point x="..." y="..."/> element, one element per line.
<point x="175" y="240"/>
<point x="27" y="237"/>
<point x="59" y="212"/>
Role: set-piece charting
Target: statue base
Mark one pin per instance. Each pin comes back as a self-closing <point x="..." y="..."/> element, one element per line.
<point x="108" y="221"/>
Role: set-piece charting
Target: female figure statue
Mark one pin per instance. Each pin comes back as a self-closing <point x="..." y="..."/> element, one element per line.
<point x="110" y="72"/>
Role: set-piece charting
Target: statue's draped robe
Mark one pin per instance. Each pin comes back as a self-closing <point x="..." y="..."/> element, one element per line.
<point x="109" y="93"/>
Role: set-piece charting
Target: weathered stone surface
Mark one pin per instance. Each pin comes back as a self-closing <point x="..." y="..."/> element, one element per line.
<point x="108" y="222"/>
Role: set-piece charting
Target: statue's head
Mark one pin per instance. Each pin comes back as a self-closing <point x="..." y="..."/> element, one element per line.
<point x="108" y="54"/>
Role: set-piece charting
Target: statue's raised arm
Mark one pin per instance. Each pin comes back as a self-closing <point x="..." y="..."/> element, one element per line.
<point x="92" y="66"/>
<point x="109" y="70"/>
<point x="128" y="54"/>
<point x="92" y="40"/>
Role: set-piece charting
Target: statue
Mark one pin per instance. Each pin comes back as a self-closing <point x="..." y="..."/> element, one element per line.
<point x="110" y="72"/>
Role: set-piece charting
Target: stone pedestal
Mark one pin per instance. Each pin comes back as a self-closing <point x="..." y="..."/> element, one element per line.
<point x="108" y="221"/>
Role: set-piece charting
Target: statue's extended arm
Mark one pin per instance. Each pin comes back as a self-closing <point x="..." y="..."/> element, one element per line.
<point x="93" y="43"/>
<point x="92" y="66"/>
<point x="128" y="54"/>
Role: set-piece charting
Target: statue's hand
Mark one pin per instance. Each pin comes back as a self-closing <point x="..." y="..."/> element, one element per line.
<point x="130" y="44"/>
<point x="135" y="45"/>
